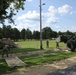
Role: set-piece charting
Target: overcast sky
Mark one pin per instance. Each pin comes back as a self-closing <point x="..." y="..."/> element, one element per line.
<point x="60" y="15"/>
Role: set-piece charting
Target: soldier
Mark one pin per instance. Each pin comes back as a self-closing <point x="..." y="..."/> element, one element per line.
<point x="5" y="50"/>
<point x="47" y="43"/>
<point x="57" y="44"/>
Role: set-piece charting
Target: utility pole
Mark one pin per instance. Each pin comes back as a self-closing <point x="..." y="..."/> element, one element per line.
<point x="41" y="25"/>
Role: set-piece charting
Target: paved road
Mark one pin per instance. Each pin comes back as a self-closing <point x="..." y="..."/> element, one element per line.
<point x="68" y="71"/>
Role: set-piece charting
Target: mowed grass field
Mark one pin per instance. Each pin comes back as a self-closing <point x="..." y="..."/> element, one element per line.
<point x="34" y="45"/>
<point x="38" y="59"/>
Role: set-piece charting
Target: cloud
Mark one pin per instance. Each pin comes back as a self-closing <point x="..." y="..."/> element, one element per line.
<point x="22" y="25"/>
<point x="52" y="11"/>
<point x="29" y="20"/>
<point x="52" y="20"/>
<point x="30" y="16"/>
<point x="64" y="9"/>
<point x="29" y="0"/>
<point x="73" y="12"/>
<point x="51" y="17"/>
<point x="64" y="28"/>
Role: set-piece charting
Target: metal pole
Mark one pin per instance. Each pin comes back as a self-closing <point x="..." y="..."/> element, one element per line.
<point x="40" y="25"/>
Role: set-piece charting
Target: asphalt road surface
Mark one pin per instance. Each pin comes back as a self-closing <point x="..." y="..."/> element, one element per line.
<point x="68" y="71"/>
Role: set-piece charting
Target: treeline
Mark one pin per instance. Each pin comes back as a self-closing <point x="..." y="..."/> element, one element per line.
<point x="26" y="34"/>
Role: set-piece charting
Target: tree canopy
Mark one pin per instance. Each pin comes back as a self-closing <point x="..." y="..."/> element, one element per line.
<point x="9" y="8"/>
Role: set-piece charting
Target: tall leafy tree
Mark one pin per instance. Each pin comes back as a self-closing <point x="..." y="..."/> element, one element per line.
<point x="4" y="31"/>
<point x="36" y="34"/>
<point x="54" y="34"/>
<point x="68" y="32"/>
<point x="9" y="8"/>
<point x="29" y="34"/>
<point x="23" y="34"/>
<point x="1" y="35"/>
<point x="8" y="31"/>
<point x="60" y="33"/>
<point x="16" y="34"/>
<point x="47" y="33"/>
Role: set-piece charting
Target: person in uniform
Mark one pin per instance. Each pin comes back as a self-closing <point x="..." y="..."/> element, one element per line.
<point x="57" y="42"/>
<point x="47" y="43"/>
<point x="5" y="50"/>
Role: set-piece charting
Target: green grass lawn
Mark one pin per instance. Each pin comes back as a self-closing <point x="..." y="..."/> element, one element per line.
<point x="46" y="58"/>
<point x="40" y="59"/>
<point x="34" y="45"/>
<point x="4" y="68"/>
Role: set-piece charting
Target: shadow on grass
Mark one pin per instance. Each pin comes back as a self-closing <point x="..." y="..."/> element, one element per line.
<point x="4" y="69"/>
<point x="35" y="60"/>
<point x="20" y="50"/>
<point x="46" y="58"/>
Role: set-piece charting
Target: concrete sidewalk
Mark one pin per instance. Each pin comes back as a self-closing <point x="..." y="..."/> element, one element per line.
<point x="15" y="61"/>
<point x="47" y="69"/>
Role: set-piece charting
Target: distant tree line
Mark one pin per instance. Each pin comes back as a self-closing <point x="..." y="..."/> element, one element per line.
<point x="26" y="34"/>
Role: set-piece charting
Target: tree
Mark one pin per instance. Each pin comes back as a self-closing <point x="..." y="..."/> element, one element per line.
<point x="16" y="34"/>
<point x="28" y="34"/>
<point x="60" y="33"/>
<point x="47" y="33"/>
<point x="4" y="31"/>
<point x="68" y="32"/>
<point x="1" y="36"/>
<point x="23" y="34"/>
<point x="54" y="34"/>
<point x="36" y="35"/>
<point x="9" y="8"/>
<point x="8" y="31"/>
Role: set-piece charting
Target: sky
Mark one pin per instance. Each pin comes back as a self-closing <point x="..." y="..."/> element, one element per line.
<point x="59" y="15"/>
